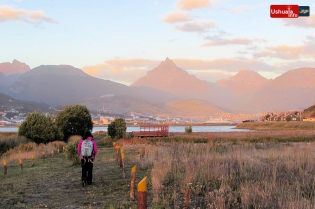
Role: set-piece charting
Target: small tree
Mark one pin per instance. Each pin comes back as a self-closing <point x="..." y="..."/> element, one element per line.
<point x="38" y="128"/>
<point x="117" y="128"/>
<point x="73" y="120"/>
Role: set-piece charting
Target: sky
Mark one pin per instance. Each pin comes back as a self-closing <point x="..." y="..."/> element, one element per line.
<point x="121" y="40"/>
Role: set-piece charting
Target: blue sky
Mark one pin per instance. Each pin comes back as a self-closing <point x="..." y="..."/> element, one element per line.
<point x="121" y="40"/>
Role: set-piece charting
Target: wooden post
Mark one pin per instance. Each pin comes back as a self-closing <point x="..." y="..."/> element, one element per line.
<point x="43" y="156"/>
<point x="21" y="164"/>
<point x="187" y="197"/>
<point x="5" y="167"/>
<point x="63" y="149"/>
<point x="122" y="158"/>
<point x="142" y="194"/>
<point x="117" y="147"/>
<point x="142" y="152"/>
<point x="33" y="160"/>
<point x="133" y="182"/>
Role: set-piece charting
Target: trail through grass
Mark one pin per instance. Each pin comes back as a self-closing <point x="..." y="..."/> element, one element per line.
<point x="57" y="184"/>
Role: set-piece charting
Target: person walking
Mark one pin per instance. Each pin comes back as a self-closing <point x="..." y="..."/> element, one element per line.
<point x="87" y="149"/>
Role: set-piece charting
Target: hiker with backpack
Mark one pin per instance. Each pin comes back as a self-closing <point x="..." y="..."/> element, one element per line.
<point x="87" y="149"/>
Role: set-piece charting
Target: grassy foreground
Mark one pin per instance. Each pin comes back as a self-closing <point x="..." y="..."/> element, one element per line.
<point x="261" y="169"/>
<point x="56" y="183"/>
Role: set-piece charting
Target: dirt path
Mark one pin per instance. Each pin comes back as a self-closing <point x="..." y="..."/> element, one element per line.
<point x="57" y="184"/>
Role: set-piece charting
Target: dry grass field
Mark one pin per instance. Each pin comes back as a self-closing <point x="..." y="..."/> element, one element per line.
<point x="259" y="169"/>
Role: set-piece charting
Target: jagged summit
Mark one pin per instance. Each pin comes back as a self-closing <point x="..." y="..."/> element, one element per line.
<point x="167" y="76"/>
<point x="15" y="67"/>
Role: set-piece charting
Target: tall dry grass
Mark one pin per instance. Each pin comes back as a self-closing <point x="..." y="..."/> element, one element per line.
<point x="232" y="175"/>
<point x="10" y="140"/>
<point x="27" y="150"/>
<point x="292" y="125"/>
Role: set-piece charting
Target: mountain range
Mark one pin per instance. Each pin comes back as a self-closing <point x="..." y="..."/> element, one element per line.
<point x="165" y="90"/>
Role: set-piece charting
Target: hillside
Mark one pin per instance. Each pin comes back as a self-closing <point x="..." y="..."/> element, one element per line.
<point x="310" y="112"/>
<point x="292" y="90"/>
<point x="193" y="108"/>
<point x="63" y="84"/>
<point x="244" y="82"/>
<point x="177" y="108"/>
<point x="8" y="103"/>
<point x="166" y="88"/>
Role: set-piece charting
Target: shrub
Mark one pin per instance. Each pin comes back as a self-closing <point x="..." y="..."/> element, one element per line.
<point x="72" y="153"/>
<point x="188" y="129"/>
<point x="107" y="141"/>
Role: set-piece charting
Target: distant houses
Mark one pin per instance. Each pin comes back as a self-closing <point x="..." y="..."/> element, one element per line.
<point x="312" y="119"/>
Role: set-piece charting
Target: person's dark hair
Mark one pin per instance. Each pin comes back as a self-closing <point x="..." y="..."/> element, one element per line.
<point x="87" y="134"/>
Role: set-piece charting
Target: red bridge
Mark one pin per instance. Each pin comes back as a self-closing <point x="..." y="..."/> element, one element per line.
<point x="152" y="130"/>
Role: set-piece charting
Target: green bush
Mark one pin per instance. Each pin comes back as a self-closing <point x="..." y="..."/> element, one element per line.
<point x="188" y="129"/>
<point x="73" y="120"/>
<point x="38" y="128"/>
<point x="72" y="152"/>
<point x="117" y="128"/>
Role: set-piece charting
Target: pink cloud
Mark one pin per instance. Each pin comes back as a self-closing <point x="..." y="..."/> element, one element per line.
<point x="192" y="4"/>
<point x="124" y="71"/>
<point x="196" y="26"/>
<point x="175" y="17"/>
<point x="289" y="52"/>
<point x="234" y="41"/>
<point x="301" y="22"/>
<point x="9" y="14"/>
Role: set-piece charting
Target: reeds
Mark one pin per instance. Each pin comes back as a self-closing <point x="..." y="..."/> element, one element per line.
<point x="232" y="175"/>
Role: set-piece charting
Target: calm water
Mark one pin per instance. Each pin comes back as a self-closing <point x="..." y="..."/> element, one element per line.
<point x="172" y="129"/>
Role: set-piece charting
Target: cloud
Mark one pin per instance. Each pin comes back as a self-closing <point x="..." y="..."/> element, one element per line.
<point x="34" y="17"/>
<point x="234" y="41"/>
<point x="217" y="41"/>
<point x="124" y="71"/>
<point x="244" y="8"/>
<point x="290" y="52"/>
<point x="211" y="75"/>
<point x="192" y="4"/>
<point x="175" y="17"/>
<point x="223" y="64"/>
<point x="195" y="26"/>
<point x="240" y="9"/>
<point x="301" y="22"/>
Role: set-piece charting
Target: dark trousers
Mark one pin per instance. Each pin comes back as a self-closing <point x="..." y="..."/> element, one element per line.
<point x="87" y="170"/>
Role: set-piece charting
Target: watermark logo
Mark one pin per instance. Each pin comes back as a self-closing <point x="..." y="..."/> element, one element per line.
<point x="284" y="11"/>
<point x="304" y="11"/>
